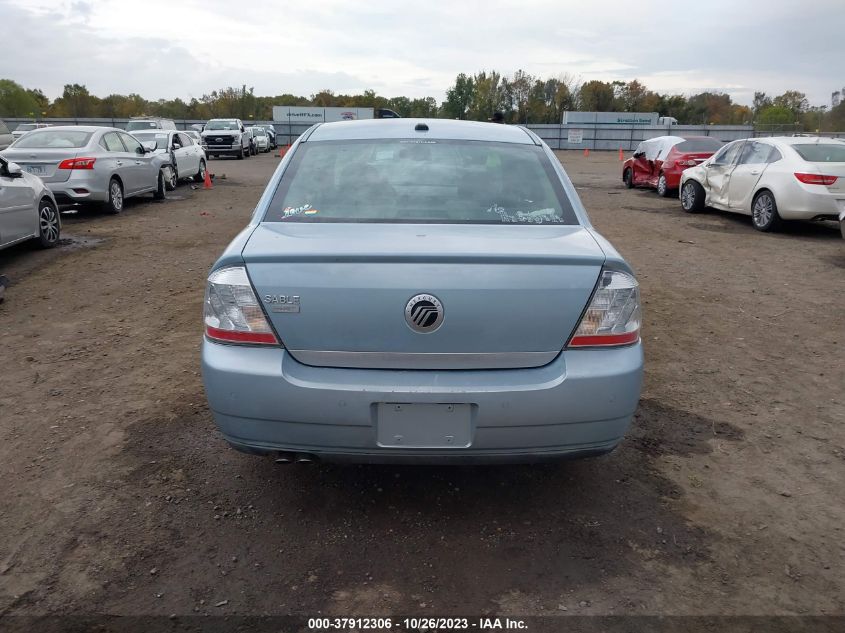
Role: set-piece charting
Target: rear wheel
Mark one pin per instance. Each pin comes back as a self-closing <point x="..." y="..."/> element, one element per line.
<point x="692" y="197"/>
<point x="764" y="212"/>
<point x="49" y="224"/>
<point x="115" y="201"/>
<point x="662" y="186"/>
<point x="200" y="176"/>
<point x="628" y="177"/>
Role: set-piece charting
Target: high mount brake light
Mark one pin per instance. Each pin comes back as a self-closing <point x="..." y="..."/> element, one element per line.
<point x="613" y="316"/>
<point x="232" y="313"/>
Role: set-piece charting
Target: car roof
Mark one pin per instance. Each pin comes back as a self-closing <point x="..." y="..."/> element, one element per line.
<point x="443" y="129"/>
<point x="797" y="140"/>
<point x="82" y="128"/>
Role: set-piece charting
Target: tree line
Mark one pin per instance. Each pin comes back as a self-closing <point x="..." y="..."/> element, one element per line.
<point x="521" y="97"/>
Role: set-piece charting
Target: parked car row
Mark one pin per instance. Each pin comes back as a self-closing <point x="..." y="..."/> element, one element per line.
<point x="48" y="167"/>
<point x="772" y="179"/>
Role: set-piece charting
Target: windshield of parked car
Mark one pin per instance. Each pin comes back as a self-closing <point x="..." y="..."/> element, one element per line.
<point x="222" y="125"/>
<point x="420" y="181"/>
<point x="259" y="131"/>
<point x="25" y="127"/>
<point x="45" y="138"/>
<point x="699" y="145"/>
<point x="821" y="152"/>
<point x="159" y="138"/>
<point x="142" y="125"/>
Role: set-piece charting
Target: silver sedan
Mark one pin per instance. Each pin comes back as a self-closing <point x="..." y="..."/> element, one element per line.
<point x="88" y="164"/>
<point x="27" y="208"/>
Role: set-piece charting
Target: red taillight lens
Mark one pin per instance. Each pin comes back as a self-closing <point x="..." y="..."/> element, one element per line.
<point x="232" y="313"/>
<point x="233" y="336"/>
<point x="78" y="163"/>
<point x="816" y="179"/>
<point x="613" y="316"/>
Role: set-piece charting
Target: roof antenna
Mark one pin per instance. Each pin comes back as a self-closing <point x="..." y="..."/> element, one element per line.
<point x="420" y="127"/>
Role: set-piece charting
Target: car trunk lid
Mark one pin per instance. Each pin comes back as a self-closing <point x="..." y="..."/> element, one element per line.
<point x="337" y="293"/>
<point x="43" y="162"/>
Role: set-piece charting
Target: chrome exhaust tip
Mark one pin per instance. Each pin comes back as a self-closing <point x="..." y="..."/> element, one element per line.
<point x="284" y="458"/>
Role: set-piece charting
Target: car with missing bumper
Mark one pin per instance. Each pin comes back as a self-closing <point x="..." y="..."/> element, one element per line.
<point x="91" y="164"/>
<point x="186" y="159"/>
<point x="425" y="291"/>
<point x="658" y="162"/>
<point x="771" y="179"/>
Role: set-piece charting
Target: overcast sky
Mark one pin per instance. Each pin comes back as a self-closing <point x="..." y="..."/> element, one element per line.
<point x="185" y="48"/>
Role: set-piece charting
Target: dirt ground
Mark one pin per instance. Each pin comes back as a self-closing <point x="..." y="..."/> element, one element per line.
<point x="120" y="497"/>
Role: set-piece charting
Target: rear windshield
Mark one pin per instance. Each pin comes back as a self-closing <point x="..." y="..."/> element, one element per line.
<point x="821" y="152"/>
<point x="53" y="138"/>
<point x="142" y="125"/>
<point x="699" y="145"/>
<point x="222" y="125"/>
<point x="158" y="137"/>
<point x="420" y="181"/>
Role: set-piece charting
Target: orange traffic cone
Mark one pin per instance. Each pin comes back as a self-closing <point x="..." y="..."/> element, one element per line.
<point x="207" y="182"/>
<point x="586" y="151"/>
<point x="621" y="155"/>
<point x="284" y="150"/>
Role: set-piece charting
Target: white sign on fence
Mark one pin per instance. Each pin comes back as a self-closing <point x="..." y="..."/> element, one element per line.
<point x="575" y="137"/>
<point x="298" y="114"/>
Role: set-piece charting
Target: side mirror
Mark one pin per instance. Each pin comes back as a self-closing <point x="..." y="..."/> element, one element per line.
<point x="147" y="147"/>
<point x="639" y="154"/>
<point x="13" y="170"/>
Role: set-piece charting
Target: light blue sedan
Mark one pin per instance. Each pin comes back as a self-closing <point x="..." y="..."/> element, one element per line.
<point x="425" y="291"/>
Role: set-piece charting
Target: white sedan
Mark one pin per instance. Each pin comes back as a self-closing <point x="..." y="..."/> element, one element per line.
<point x="770" y="179"/>
<point x="28" y="209"/>
<point x="187" y="157"/>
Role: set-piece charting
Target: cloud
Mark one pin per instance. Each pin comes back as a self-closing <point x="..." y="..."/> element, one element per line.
<point x="162" y="49"/>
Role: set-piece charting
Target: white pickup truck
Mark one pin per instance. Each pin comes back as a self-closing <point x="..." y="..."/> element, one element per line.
<point x="225" y="137"/>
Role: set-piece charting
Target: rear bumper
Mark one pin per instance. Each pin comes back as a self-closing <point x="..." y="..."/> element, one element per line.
<point x="80" y="188"/>
<point x="809" y="202"/>
<point x="580" y="404"/>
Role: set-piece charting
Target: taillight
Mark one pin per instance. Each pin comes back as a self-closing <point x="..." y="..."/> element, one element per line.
<point x="613" y="316"/>
<point x="816" y="179"/>
<point x="78" y="163"/>
<point x="232" y="313"/>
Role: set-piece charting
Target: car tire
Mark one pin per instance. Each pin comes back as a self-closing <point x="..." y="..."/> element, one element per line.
<point x="628" y="177"/>
<point x="161" y="188"/>
<point x="49" y="224"/>
<point x="242" y="154"/>
<point x="764" y="212"/>
<point x="692" y="197"/>
<point x="662" y="186"/>
<point x="114" y="205"/>
<point x="200" y="175"/>
<point x="173" y="181"/>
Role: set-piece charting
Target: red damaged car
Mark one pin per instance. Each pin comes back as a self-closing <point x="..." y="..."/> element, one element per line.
<point x="658" y="162"/>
